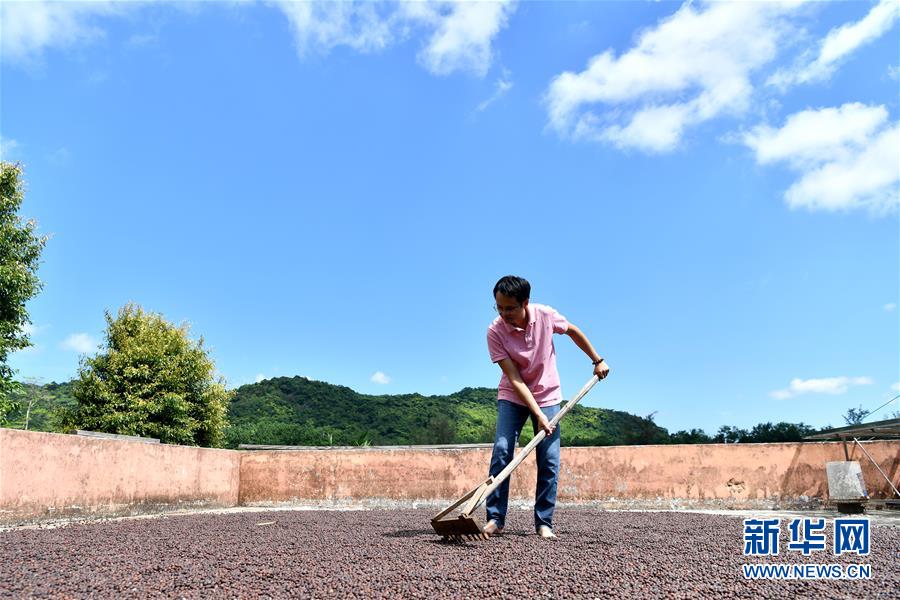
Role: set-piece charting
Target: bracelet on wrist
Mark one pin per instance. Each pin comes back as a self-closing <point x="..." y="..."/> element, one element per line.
<point x="597" y="362"/>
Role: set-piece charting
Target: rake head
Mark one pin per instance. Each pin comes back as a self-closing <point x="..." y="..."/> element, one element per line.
<point x="463" y="526"/>
<point x="459" y="529"/>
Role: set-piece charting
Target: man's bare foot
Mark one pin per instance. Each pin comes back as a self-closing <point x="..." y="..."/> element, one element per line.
<point x="546" y="533"/>
<point x="491" y="528"/>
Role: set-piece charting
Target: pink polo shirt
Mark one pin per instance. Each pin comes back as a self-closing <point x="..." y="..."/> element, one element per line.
<point x="533" y="352"/>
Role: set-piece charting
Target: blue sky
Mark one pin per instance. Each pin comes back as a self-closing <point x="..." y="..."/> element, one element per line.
<point x="710" y="191"/>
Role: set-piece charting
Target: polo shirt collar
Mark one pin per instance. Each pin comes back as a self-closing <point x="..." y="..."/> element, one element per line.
<point x="532" y="317"/>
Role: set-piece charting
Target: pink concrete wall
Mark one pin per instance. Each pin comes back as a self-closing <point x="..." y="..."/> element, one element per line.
<point x="355" y="474"/>
<point x="46" y="475"/>
<point x="739" y="475"/>
<point x="49" y="475"/>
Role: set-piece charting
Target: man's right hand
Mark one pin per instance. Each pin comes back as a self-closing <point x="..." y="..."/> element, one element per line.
<point x="544" y="423"/>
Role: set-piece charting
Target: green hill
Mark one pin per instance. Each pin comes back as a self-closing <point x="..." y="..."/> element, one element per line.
<point x="49" y="403"/>
<point x="299" y="411"/>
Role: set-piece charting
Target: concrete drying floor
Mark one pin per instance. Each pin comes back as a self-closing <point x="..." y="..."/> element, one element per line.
<point x="391" y="554"/>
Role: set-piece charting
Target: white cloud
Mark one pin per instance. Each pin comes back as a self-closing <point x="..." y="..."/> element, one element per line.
<point x="8" y="148"/>
<point x="838" y="45"/>
<point x="847" y="157"/>
<point x="890" y="307"/>
<point x="463" y="36"/>
<point x="321" y="26"/>
<point x="29" y="28"/>
<point x="896" y="387"/>
<point x="813" y="136"/>
<point x="260" y="377"/>
<point x="380" y="378"/>
<point x="826" y="385"/>
<point x="31" y="330"/>
<point x="690" y="68"/>
<point x="79" y="342"/>
<point x="868" y="179"/>
<point x="501" y="87"/>
<point x="461" y="33"/>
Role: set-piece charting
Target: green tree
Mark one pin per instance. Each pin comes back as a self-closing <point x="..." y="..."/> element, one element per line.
<point x="694" y="436"/>
<point x="442" y="430"/>
<point x="855" y="416"/>
<point x="20" y="252"/>
<point x="729" y="434"/>
<point x="33" y="397"/>
<point x="41" y="407"/>
<point x="646" y="431"/>
<point x="151" y="380"/>
<point x="780" y="432"/>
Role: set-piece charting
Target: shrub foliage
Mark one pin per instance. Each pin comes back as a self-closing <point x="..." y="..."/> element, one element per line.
<point x="151" y="380"/>
<point x="20" y="252"/>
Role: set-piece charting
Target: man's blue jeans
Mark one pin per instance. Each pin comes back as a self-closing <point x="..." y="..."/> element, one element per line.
<point x="510" y="420"/>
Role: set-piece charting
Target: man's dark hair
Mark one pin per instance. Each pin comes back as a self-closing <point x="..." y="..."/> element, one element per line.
<point x="514" y="287"/>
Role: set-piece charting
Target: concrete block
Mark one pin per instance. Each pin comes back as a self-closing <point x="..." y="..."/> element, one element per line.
<point x="845" y="481"/>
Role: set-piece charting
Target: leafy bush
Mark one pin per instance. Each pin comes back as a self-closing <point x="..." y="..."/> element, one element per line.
<point x="20" y="251"/>
<point x="151" y="380"/>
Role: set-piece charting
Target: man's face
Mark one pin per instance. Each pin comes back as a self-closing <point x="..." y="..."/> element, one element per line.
<point x="510" y="310"/>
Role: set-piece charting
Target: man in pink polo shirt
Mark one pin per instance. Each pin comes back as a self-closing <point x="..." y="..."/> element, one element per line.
<point x="520" y="340"/>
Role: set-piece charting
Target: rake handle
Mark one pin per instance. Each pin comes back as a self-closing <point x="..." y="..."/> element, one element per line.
<point x="537" y="439"/>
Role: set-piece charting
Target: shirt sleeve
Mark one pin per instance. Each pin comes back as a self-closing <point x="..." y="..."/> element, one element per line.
<point x="495" y="346"/>
<point x="560" y="323"/>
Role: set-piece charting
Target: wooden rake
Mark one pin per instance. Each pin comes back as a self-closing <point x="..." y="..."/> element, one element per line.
<point x="464" y="526"/>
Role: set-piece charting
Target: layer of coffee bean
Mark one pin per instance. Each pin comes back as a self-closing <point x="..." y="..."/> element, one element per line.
<point x="391" y="554"/>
